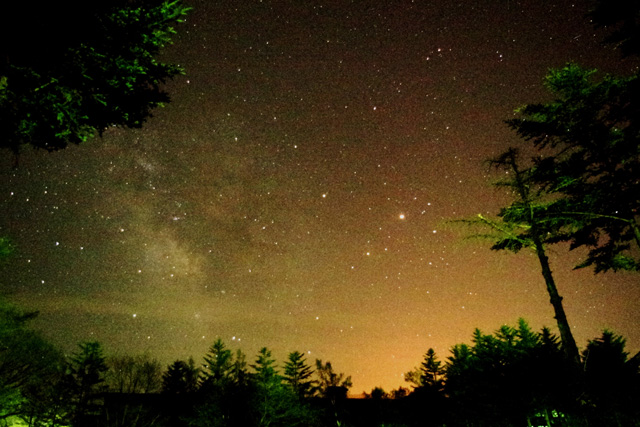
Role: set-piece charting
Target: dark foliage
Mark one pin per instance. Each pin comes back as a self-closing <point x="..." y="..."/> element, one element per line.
<point x="513" y="377"/>
<point x="86" y="381"/>
<point x="298" y="376"/>
<point x="621" y="18"/>
<point x="612" y="381"/>
<point x="509" y="377"/>
<point x="588" y="165"/>
<point x="72" y="69"/>
<point x="28" y="364"/>
<point x="181" y="378"/>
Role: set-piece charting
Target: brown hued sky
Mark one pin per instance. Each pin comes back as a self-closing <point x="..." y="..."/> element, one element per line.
<point x="298" y="190"/>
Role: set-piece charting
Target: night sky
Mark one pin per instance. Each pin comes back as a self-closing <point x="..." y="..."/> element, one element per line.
<point x="298" y="190"/>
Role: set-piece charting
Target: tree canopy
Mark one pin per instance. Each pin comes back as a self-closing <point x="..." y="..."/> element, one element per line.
<point x="588" y="164"/>
<point x="27" y="361"/>
<point x="95" y="65"/>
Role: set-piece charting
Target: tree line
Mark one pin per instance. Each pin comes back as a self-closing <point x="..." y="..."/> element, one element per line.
<point x="518" y="377"/>
<point x="39" y="386"/>
<point x="512" y="377"/>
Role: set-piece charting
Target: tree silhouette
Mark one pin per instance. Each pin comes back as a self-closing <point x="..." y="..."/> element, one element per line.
<point x="47" y="401"/>
<point x="427" y="379"/>
<point x="181" y="377"/>
<point x="612" y="381"/>
<point x="588" y="160"/>
<point x="231" y="395"/>
<point x="86" y="371"/>
<point x="218" y="365"/>
<point x="298" y="375"/>
<point x="399" y="393"/>
<point x="508" y="378"/>
<point x="331" y="385"/>
<point x="431" y="371"/>
<point x="413" y="377"/>
<point x="270" y="399"/>
<point x="27" y="363"/>
<point x="224" y="394"/>
<point x="95" y="65"/>
<point x="275" y="402"/>
<point x="526" y="223"/>
<point x="332" y="388"/>
<point x="133" y="374"/>
<point x="377" y="393"/>
<point x="239" y="370"/>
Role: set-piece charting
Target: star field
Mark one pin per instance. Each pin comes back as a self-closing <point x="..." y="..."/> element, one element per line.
<point x="298" y="190"/>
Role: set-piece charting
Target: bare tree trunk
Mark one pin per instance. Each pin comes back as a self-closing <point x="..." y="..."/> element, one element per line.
<point x="568" y="342"/>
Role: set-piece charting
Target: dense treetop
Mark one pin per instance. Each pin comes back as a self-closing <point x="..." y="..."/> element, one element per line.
<point x="70" y="71"/>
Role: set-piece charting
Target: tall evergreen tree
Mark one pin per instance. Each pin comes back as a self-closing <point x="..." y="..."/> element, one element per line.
<point x="224" y="395"/>
<point x="526" y="223"/>
<point x="589" y="163"/>
<point x="431" y="371"/>
<point x="87" y="368"/>
<point x="298" y="375"/>
<point x="181" y="378"/>
<point x="269" y="390"/>
<point x="218" y="365"/>
<point x="239" y="370"/>
<point x="275" y="404"/>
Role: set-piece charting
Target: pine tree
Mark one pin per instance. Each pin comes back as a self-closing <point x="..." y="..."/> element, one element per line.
<point x="218" y="365"/>
<point x="275" y="404"/>
<point x="509" y="377"/>
<point x="86" y="370"/>
<point x="526" y="223"/>
<point x="297" y="374"/>
<point x="612" y="381"/>
<point x="181" y="378"/>
<point x="431" y="371"/>
<point x="588" y="161"/>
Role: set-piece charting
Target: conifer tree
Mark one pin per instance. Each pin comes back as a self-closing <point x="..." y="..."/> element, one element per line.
<point x="181" y="378"/>
<point x="431" y="371"/>
<point x="87" y="368"/>
<point x="218" y="365"/>
<point x="526" y="223"/>
<point x="298" y="375"/>
<point x="588" y="161"/>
